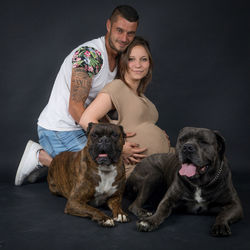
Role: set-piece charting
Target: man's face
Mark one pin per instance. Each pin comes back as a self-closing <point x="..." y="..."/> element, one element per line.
<point x="120" y="33"/>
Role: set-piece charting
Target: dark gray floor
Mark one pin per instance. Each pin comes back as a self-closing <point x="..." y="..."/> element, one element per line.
<point x="32" y="218"/>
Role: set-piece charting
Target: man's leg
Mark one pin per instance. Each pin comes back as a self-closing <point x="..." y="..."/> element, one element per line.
<point x="29" y="162"/>
<point x="51" y="144"/>
<point x="44" y="158"/>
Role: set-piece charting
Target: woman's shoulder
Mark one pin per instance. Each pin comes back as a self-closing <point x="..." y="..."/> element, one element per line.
<point x="115" y="86"/>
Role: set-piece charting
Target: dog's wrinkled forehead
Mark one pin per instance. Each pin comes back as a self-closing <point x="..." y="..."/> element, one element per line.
<point x="103" y="129"/>
<point x="196" y="134"/>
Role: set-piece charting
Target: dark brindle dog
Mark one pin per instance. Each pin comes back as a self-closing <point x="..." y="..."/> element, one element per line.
<point x="197" y="177"/>
<point x="92" y="176"/>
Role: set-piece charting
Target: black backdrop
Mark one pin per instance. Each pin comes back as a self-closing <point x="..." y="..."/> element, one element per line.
<point x="201" y="58"/>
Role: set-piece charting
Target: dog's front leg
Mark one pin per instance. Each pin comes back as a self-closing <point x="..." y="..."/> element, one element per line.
<point x="114" y="203"/>
<point x="164" y="209"/>
<point x="82" y="209"/>
<point x="146" y="189"/>
<point x="229" y="214"/>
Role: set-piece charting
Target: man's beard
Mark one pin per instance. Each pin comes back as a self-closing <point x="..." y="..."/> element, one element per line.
<point x="112" y="46"/>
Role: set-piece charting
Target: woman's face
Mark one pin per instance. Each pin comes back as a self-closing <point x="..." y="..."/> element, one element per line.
<point x="138" y="64"/>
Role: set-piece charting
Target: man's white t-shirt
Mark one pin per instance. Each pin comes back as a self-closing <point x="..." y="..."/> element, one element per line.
<point x="55" y="116"/>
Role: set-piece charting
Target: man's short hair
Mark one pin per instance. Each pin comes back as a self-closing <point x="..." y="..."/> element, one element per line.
<point x="125" y="11"/>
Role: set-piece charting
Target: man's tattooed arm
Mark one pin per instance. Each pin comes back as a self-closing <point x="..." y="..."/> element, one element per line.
<point x="80" y="87"/>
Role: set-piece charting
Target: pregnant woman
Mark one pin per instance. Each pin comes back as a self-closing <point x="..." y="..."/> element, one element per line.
<point x="135" y="112"/>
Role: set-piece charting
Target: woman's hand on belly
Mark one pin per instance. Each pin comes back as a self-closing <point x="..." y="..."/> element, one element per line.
<point x="131" y="152"/>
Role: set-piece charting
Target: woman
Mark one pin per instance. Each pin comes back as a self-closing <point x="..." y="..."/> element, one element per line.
<point x="125" y="95"/>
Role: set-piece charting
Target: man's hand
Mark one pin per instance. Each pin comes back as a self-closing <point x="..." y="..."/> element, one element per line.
<point x="131" y="152"/>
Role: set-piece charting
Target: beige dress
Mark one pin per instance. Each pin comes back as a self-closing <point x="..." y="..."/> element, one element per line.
<point x="137" y="114"/>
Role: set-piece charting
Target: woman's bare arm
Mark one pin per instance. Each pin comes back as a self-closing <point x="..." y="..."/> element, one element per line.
<point x="101" y="105"/>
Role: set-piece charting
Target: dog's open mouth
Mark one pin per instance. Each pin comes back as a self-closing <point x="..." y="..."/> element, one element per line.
<point x="103" y="158"/>
<point x="190" y="170"/>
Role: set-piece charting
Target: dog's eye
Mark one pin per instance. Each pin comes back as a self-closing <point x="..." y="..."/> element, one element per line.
<point x="114" y="135"/>
<point x="94" y="136"/>
<point x="183" y="139"/>
<point x="203" y="142"/>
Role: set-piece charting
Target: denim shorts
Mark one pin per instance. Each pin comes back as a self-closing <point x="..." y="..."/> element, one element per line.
<point x="55" y="142"/>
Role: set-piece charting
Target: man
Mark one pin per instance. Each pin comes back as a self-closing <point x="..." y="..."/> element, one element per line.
<point x="84" y="72"/>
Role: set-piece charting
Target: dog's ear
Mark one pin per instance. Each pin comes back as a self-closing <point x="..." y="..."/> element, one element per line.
<point x="122" y="131"/>
<point x="90" y="125"/>
<point x="221" y="143"/>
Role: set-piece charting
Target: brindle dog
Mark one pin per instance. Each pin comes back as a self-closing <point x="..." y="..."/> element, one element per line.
<point x="93" y="176"/>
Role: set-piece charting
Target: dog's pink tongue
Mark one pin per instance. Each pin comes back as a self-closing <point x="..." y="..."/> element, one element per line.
<point x="102" y="155"/>
<point x="187" y="169"/>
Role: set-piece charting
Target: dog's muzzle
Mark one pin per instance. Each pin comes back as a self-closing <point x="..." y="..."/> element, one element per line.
<point x="188" y="167"/>
<point x="104" y="147"/>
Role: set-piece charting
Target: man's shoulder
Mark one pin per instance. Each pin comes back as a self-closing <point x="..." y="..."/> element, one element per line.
<point x="97" y="43"/>
<point x="89" y="58"/>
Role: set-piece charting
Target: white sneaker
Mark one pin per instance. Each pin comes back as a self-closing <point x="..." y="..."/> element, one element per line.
<point x="28" y="163"/>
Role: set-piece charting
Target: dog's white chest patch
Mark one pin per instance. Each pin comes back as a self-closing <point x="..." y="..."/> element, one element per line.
<point x="105" y="188"/>
<point x="197" y="196"/>
<point x="200" y="205"/>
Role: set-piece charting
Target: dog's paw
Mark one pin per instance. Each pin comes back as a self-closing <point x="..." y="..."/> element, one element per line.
<point x="220" y="230"/>
<point x="139" y="212"/>
<point x="121" y="218"/>
<point x="107" y="223"/>
<point x="145" y="225"/>
<point x="143" y="213"/>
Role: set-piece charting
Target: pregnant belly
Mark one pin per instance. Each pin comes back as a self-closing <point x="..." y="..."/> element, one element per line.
<point x="151" y="137"/>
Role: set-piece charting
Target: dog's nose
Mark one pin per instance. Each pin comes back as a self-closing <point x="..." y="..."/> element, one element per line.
<point x="104" y="139"/>
<point x="188" y="148"/>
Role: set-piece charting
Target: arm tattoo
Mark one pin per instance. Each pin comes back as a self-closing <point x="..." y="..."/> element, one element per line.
<point x="80" y="85"/>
